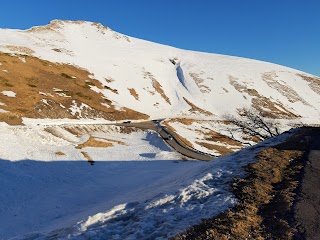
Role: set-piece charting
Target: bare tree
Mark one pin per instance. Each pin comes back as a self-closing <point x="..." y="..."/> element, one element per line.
<point x="251" y="121"/>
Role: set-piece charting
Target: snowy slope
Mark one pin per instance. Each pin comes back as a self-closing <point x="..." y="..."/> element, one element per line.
<point x="124" y="200"/>
<point x="162" y="77"/>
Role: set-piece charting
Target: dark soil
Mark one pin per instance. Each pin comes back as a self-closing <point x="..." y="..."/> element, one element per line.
<point x="307" y="209"/>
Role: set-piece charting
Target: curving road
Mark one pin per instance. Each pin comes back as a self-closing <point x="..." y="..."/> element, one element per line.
<point x="170" y="138"/>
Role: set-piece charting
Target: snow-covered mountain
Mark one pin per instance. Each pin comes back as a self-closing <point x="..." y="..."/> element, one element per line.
<point x="84" y="70"/>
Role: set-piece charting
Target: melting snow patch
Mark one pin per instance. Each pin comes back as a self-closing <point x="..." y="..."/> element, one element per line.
<point x="106" y="105"/>
<point x="44" y="101"/>
<point x="9" y="93"/>
<point x="1" y="110"/>
<point x="23" y="59"/>
<point x="57" y="90"/>
<point x="95" y="88"/>
<point x="46" y="94"/>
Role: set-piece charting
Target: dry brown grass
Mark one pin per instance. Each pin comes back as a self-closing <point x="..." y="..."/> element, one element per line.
<point x="285" y="90"/>
<point x="134" y="93"/>
<point x="261" y="103"/>
<point x="209" y="135"/>
<point x="20" y="49"/>
<point x="75" y="130"/>
<point x="314" y="82"/>
<point x="220" y="149"/>
<point x="111" y="89"/>
<point x="216" y="137"/>
<point x="199" y="81"/>
<point x="197" y="110"/>
<point x="93" y="142"/>
<point x="213" y="136"/>
<point x="60" y="153"/>
<point x="185" y="121"/>
<point x="86" y="155"/>
<point x="156" y="85"/>
<point x="111" y="140"/>
<point x="36" y="75"/>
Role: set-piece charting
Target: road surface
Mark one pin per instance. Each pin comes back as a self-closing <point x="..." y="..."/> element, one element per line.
<point x="308" y="206"/>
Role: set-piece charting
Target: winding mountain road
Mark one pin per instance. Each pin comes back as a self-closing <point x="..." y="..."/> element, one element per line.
<point x="170" y="138"/>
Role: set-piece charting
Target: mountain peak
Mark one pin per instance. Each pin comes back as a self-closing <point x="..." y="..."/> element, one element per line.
<point x="58" y="24"/>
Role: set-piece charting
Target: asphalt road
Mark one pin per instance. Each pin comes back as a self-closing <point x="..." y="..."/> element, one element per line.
<point x="308" y="206"/>
<point x="170" y="138"/>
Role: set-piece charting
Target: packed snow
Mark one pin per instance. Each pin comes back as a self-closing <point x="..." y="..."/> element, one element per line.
<point x="9" y="93"/>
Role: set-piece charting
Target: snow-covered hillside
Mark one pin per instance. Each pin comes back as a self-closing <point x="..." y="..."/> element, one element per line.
<point x="163" y="81"/>
<point x="115" y="199"/>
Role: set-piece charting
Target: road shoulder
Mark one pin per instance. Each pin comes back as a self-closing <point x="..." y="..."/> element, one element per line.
<point x="307" y="210"/>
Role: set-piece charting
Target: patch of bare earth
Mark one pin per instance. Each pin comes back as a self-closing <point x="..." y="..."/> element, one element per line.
<point x="87" y="156"/>
<point x="50" y="90"/>
<point x="265" y="197"/>
<point x="197" y="110"/>
<point x="218" y="142"/>
<point x="222" y="150"/>
<point x="156" y="85"/>
<point x="60" y="153"/>
<point x="115" y="91"/>
<point x="199" y="81"/>
<point x="134" y="93"/>
<point x="285" y="90"/>
<point x="211" y="140"/>
<point x="264" y="105"/>
<point x="98" y="142"/>
<point x="63" y="50"/>
<point x="23" y="50"/>
<point x="314" y="82"/>
<point x="213" y="136"/>
<point x="111" y="140"/>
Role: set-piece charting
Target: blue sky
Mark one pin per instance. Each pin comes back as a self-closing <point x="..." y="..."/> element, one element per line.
<point x="286" y="32"/>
